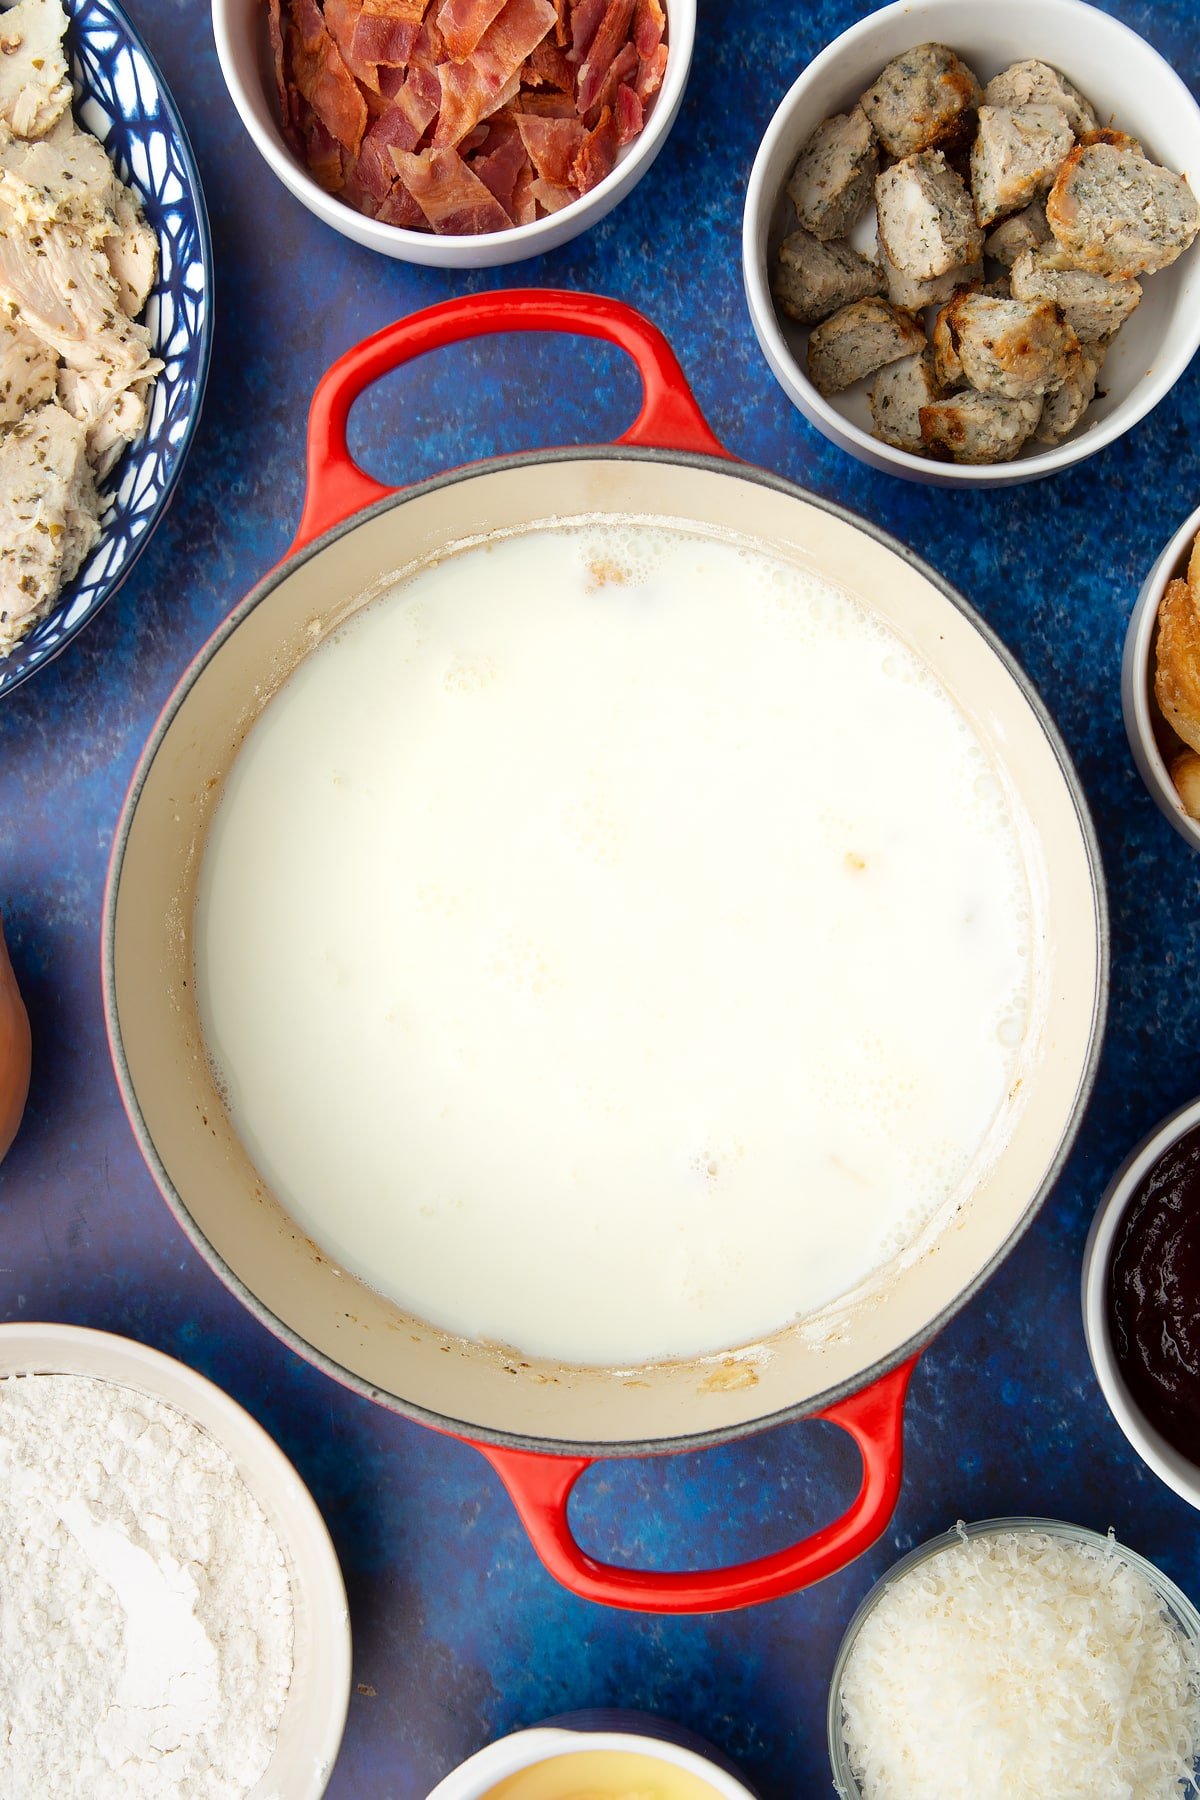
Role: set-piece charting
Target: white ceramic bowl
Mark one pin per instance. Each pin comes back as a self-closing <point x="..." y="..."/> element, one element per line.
<point x="630" y="1732"/>
<point x="314" y="1714"/>
<point x="1174" y="1600"/>
<point x="239" y="27"/>
<point x="1167" y="1463"/>
<point x="1120" y="74"/>
<point x="1137" y="681"/>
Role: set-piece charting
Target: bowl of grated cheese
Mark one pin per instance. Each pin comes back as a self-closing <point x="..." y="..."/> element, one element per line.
<point x="1019" y="1659"/>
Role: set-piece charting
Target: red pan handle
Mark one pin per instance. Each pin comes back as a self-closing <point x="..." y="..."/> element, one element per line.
<point x="540" y="1487"/>
<point x="336" y="487"/>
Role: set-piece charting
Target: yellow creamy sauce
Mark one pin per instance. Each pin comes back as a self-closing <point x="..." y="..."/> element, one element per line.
<point x="603" y="1775"/>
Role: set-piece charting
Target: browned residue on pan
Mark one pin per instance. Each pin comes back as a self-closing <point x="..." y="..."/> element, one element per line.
<point x="728" y="1377"/>
<point x="604" y="572"/>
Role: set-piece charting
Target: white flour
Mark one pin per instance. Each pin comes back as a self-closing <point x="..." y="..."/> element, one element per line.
<point x="145" y="1608"/>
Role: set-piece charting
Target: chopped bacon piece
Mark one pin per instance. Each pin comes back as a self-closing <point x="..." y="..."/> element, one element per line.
<point x="324" y="155"/>
<point x="650" y="74"/>
<point x="630" y="117"/>
<point x="404" y="12"/>
<point x="353" y="192"/>
<point x="514" y="35"/>
<point x="501" y="162"/>
<point x="510" y="92"/>
<point x="323" y="78"/>
<point x="585" y="22"/>
<point x="524" y="201"/>
<point x="549" y="195"/>
<point x="373" y="32"/>
<point x="463" y="22"/>
<point x="429" y="51"/>
<point x="379" y="39"/>
<point x="275" y="33"/>
<point x="597" y="154"/>
<point x="420" y="96"/>
<point x="341" y="21"/>
<point x="623" y="68"/>
<point x="393" y="129"/>
<point x="401" y="209"/>
<point x="453" y="200"/>
<point x="460" y="98"/>
<point x="548" y="67"/>
<point x="467" y="97"/>
<point x="649" y="26"/>
<point x="462" y="104"/>
<point x="612" y="32"/>
<point x="553" y="145"/>
<point x="473" y="89"/>
<point x="542" y="106"/>
<point x="405" y="17"/>
<point x="560" y="24"/>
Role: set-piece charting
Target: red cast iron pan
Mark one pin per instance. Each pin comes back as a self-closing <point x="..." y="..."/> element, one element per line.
<point x="541" y="1429"/>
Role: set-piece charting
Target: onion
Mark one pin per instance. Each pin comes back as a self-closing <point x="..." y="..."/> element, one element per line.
<point x="14" y="1051"/>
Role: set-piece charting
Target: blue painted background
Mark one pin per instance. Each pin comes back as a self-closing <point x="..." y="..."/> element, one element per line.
<point x="459" y="1636"/>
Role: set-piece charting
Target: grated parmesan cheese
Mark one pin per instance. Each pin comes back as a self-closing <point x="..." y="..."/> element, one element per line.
<point x="1021" y="1665"/>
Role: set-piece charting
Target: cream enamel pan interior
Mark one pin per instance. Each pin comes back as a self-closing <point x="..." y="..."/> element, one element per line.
<point x="185" y="1133"/>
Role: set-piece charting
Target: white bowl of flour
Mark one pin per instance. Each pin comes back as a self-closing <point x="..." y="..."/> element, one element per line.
<point x="175" y="1622"/>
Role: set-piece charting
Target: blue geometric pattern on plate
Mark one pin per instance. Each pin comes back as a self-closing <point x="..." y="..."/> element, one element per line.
<point x="121" y="97"/>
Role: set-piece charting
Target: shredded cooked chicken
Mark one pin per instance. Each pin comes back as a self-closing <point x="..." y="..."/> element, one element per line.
<point x="48" y="514"/>
<point x="35" y="89"/>
<point x="28" y="372"/>
<point x="132" y="252"/>
<point x="77" y="262"/>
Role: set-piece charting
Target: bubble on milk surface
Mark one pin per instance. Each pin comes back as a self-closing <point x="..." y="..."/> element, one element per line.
<point x="717" y="1159"/>
<point x="1011" y="1028"/>
<point x="469" y="674"/>
<point x="617" y="556"/>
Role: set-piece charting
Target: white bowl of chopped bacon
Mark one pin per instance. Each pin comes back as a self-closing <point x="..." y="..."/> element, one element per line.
<point x="462" y="133"/>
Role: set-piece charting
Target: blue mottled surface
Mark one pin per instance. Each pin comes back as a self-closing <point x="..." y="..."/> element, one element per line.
<point x="459" y="1635"/>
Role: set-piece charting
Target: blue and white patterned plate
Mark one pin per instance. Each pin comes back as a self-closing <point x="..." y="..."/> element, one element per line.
<point x="122" y="98"/>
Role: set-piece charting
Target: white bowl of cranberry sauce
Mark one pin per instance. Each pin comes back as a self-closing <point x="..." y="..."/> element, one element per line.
<point x="1141" y="1300"/>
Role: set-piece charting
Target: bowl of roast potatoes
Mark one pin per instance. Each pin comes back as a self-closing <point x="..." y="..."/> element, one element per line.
<point x="968" y="245"/>
<point x="1160" y="681"/>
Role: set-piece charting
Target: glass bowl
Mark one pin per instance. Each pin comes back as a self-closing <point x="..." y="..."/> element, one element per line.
<point x="1176" y="1603"/>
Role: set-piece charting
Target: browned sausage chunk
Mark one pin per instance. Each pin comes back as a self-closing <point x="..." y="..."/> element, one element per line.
<point x="858" y="340"/>
<point x="1116" y="213"/>
<point x="813" y="279"/>
<point x="925" y="97"/>
<point x="834" y="175"/>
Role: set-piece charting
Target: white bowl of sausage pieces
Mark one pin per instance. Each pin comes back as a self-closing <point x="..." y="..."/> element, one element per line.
<point x="968" y="243"/>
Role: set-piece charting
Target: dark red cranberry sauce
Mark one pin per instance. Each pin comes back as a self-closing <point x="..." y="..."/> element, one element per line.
<point x="1154" y="1296"/>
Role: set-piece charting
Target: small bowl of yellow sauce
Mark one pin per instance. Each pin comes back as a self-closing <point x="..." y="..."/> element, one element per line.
<point x="596" y="1756"/>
